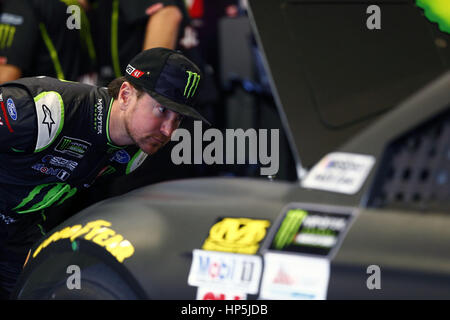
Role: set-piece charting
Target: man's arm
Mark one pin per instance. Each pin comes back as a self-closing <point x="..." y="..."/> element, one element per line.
<point x="9" y="72"/>
<point x="18" y="122"/>
<point x="162" y="28"/>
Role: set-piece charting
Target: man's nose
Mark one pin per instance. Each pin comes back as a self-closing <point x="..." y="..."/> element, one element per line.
<point x="168" y="127"/>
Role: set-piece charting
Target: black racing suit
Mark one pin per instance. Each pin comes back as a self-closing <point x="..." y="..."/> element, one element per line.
<point x="54" y="142"/>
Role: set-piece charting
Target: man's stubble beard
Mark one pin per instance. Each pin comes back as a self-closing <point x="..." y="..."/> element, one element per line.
<point x="142" y="141"/>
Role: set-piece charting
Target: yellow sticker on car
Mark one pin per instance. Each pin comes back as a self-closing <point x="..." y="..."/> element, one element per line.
<point x="238" y="235"/>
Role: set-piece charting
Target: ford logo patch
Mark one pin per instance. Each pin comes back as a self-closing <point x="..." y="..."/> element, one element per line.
<point x="11" y="109"/>
<point x="122" y="156"/>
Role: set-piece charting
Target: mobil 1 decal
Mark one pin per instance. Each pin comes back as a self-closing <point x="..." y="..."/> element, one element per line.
<point x="311" y="230"/>
<point x="224" y="271"/>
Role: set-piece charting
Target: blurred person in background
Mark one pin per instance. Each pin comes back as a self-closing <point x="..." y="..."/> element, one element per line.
<point x="44" y="37"/>
<point x="123" y="28"/>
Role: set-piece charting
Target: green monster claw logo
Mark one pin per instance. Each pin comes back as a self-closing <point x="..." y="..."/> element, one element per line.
<point x="49" y="193"/>
<point x="437" y="11"/>
<point x="6" y="35"/>
<point x="288" y="228"/>
<point x="192" y="86"/>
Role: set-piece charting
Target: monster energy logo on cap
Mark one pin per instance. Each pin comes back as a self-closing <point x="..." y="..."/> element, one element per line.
<point x="7" y="33"/>
<point x="72" y="146"/>
<point x="191" y="86"/>
<point x="169" y="77"/>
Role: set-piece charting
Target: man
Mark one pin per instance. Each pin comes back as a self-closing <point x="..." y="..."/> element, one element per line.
<point x="123" y="28"/>
<point x="57" y="137"/>
<point x="41" y="37"/>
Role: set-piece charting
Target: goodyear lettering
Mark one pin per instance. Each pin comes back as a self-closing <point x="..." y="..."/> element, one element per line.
<point x="239" y="235"/>
<point x="97" y="232"/>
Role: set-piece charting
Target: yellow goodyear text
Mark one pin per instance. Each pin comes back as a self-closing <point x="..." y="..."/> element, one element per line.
<point x="238" y="235"/>
<point x="97" y="232"/>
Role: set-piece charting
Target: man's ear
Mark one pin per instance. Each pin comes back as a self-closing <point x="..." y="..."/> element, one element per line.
<point x="125" y="95"/>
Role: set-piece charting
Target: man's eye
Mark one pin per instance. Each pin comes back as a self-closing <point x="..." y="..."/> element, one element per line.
<point x="162" y="109"/>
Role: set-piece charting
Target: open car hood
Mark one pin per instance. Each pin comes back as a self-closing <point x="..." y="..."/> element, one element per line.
<point x="332" y="76"/>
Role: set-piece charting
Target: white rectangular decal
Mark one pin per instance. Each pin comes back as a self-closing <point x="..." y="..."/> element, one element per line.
<point x="340" y="172"/>
<point x="225" y="271"/>
<point x="294" y="277"/>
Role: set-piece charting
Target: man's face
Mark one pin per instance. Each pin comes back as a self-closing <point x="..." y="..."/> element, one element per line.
<point x="149" y="124"/>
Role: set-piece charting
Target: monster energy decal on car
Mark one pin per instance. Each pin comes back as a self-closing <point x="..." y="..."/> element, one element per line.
<point x="45" y="195"/>
<point x="191" y="86"/>
<point x="288" y="228"/>
<point x="315" y="231"/>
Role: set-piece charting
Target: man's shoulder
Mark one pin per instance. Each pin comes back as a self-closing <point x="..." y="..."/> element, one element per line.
<point x="37" y="85"/>
<point x="48" y="81"/>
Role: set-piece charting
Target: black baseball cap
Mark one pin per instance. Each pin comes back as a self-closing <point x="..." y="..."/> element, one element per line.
<point x="169" y="77"/>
